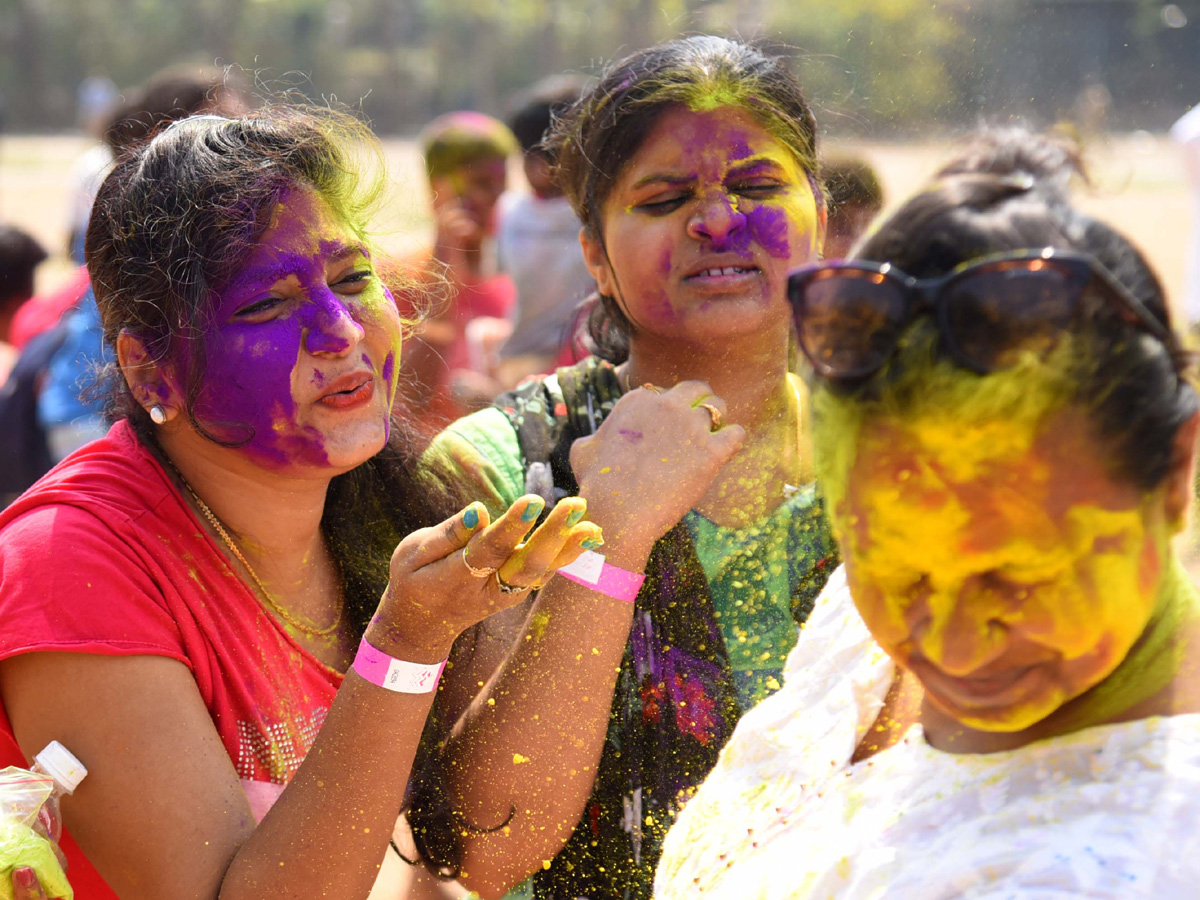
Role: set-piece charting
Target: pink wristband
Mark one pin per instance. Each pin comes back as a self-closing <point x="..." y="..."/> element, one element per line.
<point x="592" y="571"/>
<point x="396" y="674"/>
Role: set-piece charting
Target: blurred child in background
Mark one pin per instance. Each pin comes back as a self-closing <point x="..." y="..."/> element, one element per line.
<point x="20" y="255"/>
<point x="450" y="365"/>
<point x="855" y="198"/>
<point x="537" y="241"/>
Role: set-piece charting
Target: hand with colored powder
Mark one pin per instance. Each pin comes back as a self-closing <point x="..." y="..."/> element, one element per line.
<point x="446" y="578"/>
<point x="29" y="866"/>
<point x="653" y="459"/>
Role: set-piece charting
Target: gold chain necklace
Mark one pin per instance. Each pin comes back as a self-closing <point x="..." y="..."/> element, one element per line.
<point x="262" y="590"/>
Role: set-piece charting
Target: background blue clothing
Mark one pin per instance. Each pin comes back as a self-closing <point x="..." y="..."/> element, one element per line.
<point x="73" y="367"/>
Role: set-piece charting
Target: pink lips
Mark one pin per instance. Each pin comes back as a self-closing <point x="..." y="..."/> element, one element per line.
<point x="349" y="391"/>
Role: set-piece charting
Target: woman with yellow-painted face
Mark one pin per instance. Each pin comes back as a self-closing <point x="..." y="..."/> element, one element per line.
<point x="999" y="695"/>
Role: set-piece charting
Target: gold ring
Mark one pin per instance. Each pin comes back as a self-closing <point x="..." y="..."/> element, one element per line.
<point x="714" y="414"/>
<point x="506" y="588"/>
<point x="485" y="572"/>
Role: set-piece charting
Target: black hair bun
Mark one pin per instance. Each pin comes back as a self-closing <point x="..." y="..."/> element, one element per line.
<point x="1018" y="153"/>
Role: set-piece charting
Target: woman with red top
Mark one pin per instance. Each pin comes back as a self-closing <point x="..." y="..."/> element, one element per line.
<point x="181" y="598"/>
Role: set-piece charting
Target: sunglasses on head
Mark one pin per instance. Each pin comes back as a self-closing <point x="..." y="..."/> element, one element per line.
<point x="851" y="315"/>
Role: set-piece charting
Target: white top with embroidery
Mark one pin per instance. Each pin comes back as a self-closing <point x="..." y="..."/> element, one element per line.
<point x="1109" y="812"/>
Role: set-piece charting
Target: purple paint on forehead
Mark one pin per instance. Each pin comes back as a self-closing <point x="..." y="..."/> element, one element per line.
<point x="739" y="145"/>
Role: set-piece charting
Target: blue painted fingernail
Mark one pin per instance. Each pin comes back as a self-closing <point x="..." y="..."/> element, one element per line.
<point x="471" y="517"/>
<point x="592" y="543"/>
<point x="574" y="517"/>
<point x="532" y="509"/>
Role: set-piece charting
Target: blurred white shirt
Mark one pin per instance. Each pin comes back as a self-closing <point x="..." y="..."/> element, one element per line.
<point x="1186" y="132"/>
<point x="537" y="244"/>
<point x="1107" y="813"/>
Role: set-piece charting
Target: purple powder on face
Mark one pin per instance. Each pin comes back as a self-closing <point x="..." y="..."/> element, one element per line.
<point x="249" y="395"/>
<point x="664" y="262"/>
<point x="739" y="146"/>
<point x="389" y="370"/>
<point x="630" y="435"/>
<point x="327" y="321"/>
<point x="765" y="225"/>
<point x="768" y="227"/>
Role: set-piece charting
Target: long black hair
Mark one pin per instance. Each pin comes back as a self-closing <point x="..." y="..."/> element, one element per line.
<point x="1010" y="190"/>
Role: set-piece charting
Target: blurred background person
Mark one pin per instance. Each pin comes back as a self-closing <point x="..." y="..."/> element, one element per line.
<point x="1186" y="133"/>
<point x="20" y="255"/>
<point x="97" y="98"/>
<point x="23" y="452"/>
<point x="70" y="418"/>
<point x="450" y="366"/>
<point x="121" y="121"/>
<point x="537" y="242"/>
<point x="855" y="199"/>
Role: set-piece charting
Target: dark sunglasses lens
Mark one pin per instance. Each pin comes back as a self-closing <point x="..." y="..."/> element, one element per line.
<point x="848" y="322"/>
<point x="996" y="316"/>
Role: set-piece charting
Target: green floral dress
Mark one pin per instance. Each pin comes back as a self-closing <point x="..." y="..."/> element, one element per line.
<point x="713" y="624"/>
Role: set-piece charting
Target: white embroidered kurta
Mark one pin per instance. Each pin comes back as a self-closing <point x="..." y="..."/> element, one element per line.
<point x="1110" y="812"/>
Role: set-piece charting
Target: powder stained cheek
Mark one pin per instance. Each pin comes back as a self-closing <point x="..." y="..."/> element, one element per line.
<point x="658" y="302"/>
<point x="767" y="226"/>
<point x="248" y="396"/>
<point x="389" y="372"/>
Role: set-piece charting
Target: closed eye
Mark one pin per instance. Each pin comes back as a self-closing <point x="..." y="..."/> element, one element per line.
<point x="260" y="308"/>
<point x="1018" y="582"/>
<point x="662" y="205"/>
<point x="354" y="282"/>
<point x="757" y="189"/>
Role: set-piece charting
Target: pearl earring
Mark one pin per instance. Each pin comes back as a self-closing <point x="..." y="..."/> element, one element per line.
<point x="158" y="415"/>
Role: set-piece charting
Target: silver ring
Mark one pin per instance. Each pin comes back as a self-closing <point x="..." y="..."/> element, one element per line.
<point x="506" y="588"/>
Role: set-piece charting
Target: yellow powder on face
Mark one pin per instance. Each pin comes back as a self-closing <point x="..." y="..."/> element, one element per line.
<point x="984" y="520"/>
<point x="944" y="401"/>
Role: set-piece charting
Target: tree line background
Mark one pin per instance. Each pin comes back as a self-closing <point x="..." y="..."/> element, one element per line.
<point x="886" y="68"/>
